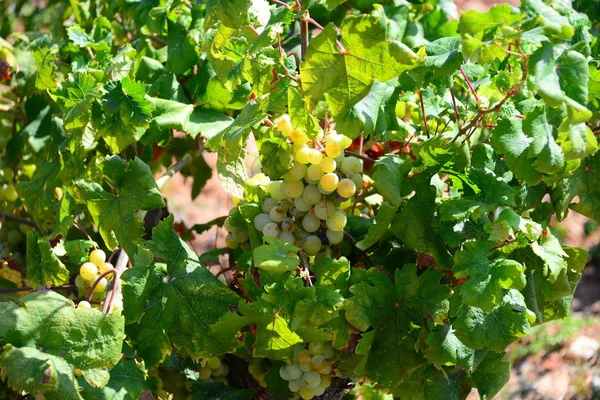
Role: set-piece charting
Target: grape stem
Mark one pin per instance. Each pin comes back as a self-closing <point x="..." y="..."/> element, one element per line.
<point x="20" y="220"/>
<point x="353" y="242"/>
<point x="102" y="275"/>
<point x="364" y="158"/>
<point x="82" y="229"/>
<point x="123" y="260"/>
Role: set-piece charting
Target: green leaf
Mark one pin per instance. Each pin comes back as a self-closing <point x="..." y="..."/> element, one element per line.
<point x="474" y="22"/>
<point x="414" y="224"/>
<point x="552" y="22"/>
<point x="396" y="311"/>
<point x="30" y="370"/>
<point x="46" y="58"/>
<point x="548" y="154"/>
<point x="174" y="309"/>
<point x="114" y="212"/>
<point x="208" y="123"/>
<point x="389" y="174"/>
<point x="488" y="278"/>
<point x="76" y="94"/>
<point x="491" y="374"/>
<point x="276" y="256"/>
<point x="275" y="153"/>
<point x="44" y="268"/>
<point x="127" y="382"/>
<point x="548" y="248"/>
<point x="380" y="227"/>
<point x="347" y="74"/>
<point x="181" y="52"/>
<point x="169" y="114"/>
<point x="301" y="119"/>
<point x="38" y="194"/>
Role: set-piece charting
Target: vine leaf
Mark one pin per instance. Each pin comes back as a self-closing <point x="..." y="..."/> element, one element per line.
<point x="114" y="213"/>
<point x="44" y="268"/>
<point x="389" y="175"/>
<point x="175" y="308"/>
<point x="127" y="382"/>
<point x="276" y="256"/>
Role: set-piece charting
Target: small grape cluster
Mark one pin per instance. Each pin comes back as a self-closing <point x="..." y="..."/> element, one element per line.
<point x="310" y="373"/>
<point x="258" y="371"/>
<point x="13" y="234"/>
<point x="304" y="208"/>
<point x="214" y="370"/>
<point x="237" y="233"/>
<point x="89" y="273"/>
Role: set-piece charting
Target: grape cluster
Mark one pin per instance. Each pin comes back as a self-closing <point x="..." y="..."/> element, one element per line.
<point x="310" y="373"/>
<point x="89" y="273"/>
<point x="13" y="234"/>
<point x="214" y="370"/>
<point x="237" y="231"/>
<point x="304" y="208"/>
<point x="258" y="371"/>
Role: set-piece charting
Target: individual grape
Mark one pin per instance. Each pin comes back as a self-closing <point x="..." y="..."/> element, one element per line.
<point x="303" y="357"/>
<point x="346" y="188"/>
<point x="323" y="209"/>
<point x="80" y="283"/>
<point x="351" y="165"/>
<point x="98" y="257"/>
<point x="277" y="214"/>
<point x="205" y="373"/>
<point x="303" y="154"/>
<point x="240" y="235"/>
<point x="58" y="193"/>
<point x="10" y="193"/>
<point x="315" y="156"/>
<point x="213" y="362"/>
<point x="287" y="237"/>
<point x="311" y="194"/>
<point x="294" y="189"/>
<point x="221" y="370"/>
<point x="315" y="348"/>
<point x="294" y="371"/>
<point x="285" y="125"/>
<point x="311" y="379"/>
<point x="14" y="237"/>
<point x="306" y="393"/>
<point x="284" y="374"/>
<point x="333" y="149"/>
<point x="345" y="141"/>
<point x="88" y="271"/>
<point x="314" y="172"/>
<point x="305" y="367"/>
<point x="275" y="189"/>
<point x="105" y="267"/>
<point x="230" y="242"/>
<point x="288" y="225"/>
<point x="334" y="237"/>
<point x="101" y="286"/>
<point x="297" y="172"/>
<point x="312" y="245"/>
<point x="329" y="182"/>
<point x="285" y="204"/>
<point x="328" y="164"/>
<point x="356" y="178"/>
<point x="24" y="228"/>
<point x="271" y="229"/>
<point x="328" y="351"/>
<point x="227" y="224"/>
<point x="318" y="363"/>
<point x="310" y="222"/>
<point x="301" y="205"/>
<point x="337" y="220"/>
<point x="84" y="304"/>
<point x="295" y="385"/>
<point x="323" y="385"/>
<point x="261" y="220"/>
<point x="326" y="369"/>
<point x="267" y="204"/>
<point x="299" y="137"/>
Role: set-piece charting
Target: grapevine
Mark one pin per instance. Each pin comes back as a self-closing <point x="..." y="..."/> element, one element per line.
<point x="395" y="169"/>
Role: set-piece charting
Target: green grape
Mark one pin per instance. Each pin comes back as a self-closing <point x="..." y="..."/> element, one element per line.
<point x="275" y="189"/>
<point x="328" y="164"/>
<point x="310" y="222"/>
<point x="346" y="188"/>
<point x="328" y="351"/>
<point x="261" y="220"/>
<point x="297" y="172"/>
<point x="326" y="369"/>
<point x="329" y="182"/>
<point x="294" y="371"/>
<point x="101" y="286"/>
<point x="294" y="189"/>
<point x="345" y="141"/>
<point x="351" y="165"/>
<point x="84" y="304"/>
<point x="287" y="237"/>
<point x="301" y="205"/>
<point x="88" y="271"/>
<point x="323" y="209"/>
<point x="314" y="172"/>
<point x="205" y="373"/>
<point x="271" y="229"/>
<point x="334" y="237"/>
<point x="311" y="379"/>
<point x="221" y="371"/>
<point x="298" y="137"/>
<point x="80" y="283"/>
<point x="214" y="362"/>
<point x="288" y="225"/>
<point x="303" y="357"/>
<point x="295" y="385"/>
<point x="333" y="149"/>
<point x="315" y="156"/>
<point x="277" y="214"/>
<point x="303" y="154"/>
<point x="336" y="221"/>
<point x="315" y="347"/>
<point x="29" y="170"/>
<point x="10" y="193"/>
<point x="14" y="237"/>
<point x="98" y="257"/>
<point x="9" y="174"/>
<point x="323" y="385"/>
<point x="267" y="204"/>
<point x="105" y="267"/>
<point x="318" y="363"/>
<point x="305" y="367"/>
<point x="312" y="245"/>
<point x="240" y="235"/>
<point x="285" y="204"/>
<point x="356" y="178"/>
<point x="229" y="242"/>
<point x="227" y="224"/>
<point x="311" y="194"/>
<point x="306" y="393"/>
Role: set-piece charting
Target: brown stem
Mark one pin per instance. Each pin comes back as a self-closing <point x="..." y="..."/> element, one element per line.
<point x="364" y="158"/>
<point x="20" y="220"/>
<point x="423" y="112"/>
<point x="462" y="71"/>
<point x="108" y="272"/>
<point x="353" y="242"/>
<point x="303" y="37"/>
<point x="82" y="229"/>
<point x="253" y="30"/>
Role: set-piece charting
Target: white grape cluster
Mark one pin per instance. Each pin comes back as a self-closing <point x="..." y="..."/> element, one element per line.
<point x="304" y="208"/>
<point x="309" y="374"/>
<point x="89" y="273"/>
<point x="214" y="370"/>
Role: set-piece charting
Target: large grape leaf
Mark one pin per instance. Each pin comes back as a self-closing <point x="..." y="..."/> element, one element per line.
<point x="44" y="268"/>
<point x="396" y="311"/>
<point x="127" y="382"/>
<point x="76" y="95"/>
<point x="389" y="175"/>
<point x="86" y="339"/>
<point x="347" y="75"/>
<point x="181" y="51"/>
<point x="114" y="212"/>
<point x="38" y="194"/>
<point x="175" y="308"/>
